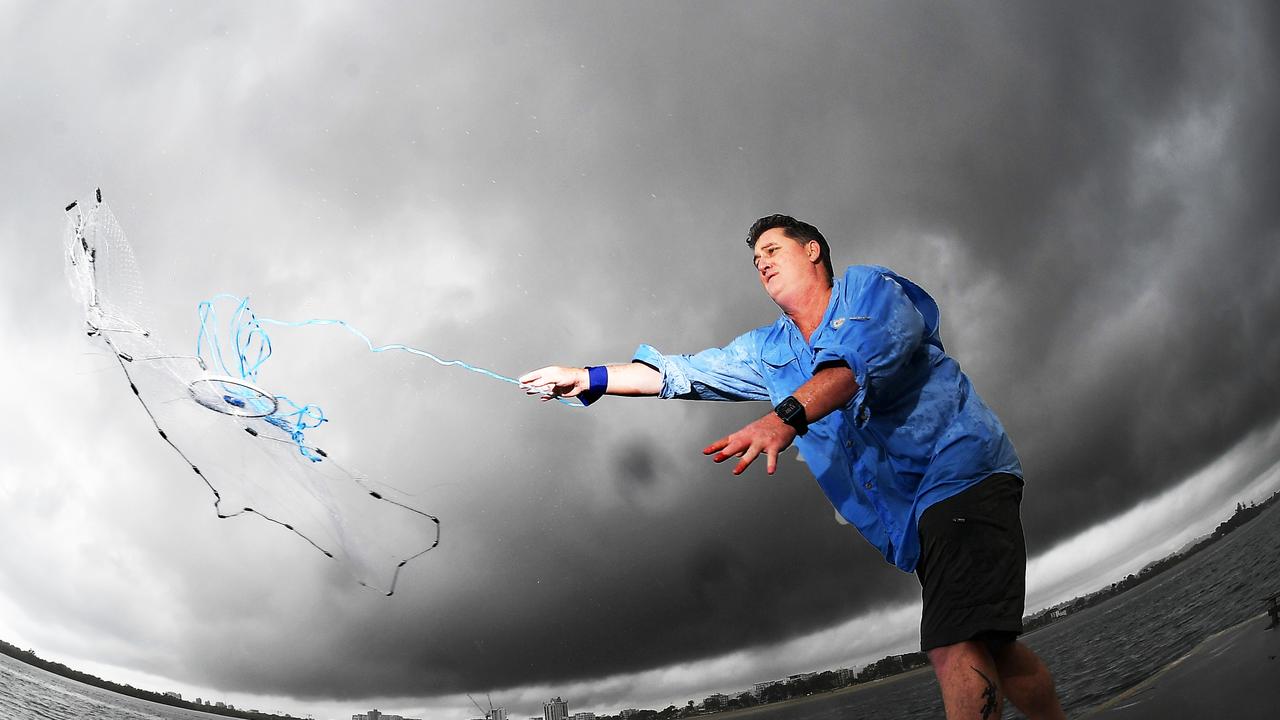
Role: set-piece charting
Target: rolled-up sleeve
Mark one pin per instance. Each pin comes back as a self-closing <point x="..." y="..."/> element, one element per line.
<point x="727" y="373"/>
<point x="879" y="335"/>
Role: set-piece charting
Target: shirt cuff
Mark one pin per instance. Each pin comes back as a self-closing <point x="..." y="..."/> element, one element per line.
<point x="857" y="405"/>
<point x="675" y="382"/>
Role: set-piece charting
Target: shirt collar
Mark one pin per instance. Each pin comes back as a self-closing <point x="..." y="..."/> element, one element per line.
<point x="785" y="332"/>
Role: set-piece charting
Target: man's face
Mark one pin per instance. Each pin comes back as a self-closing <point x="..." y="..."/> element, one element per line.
<point x="783" y="264"/>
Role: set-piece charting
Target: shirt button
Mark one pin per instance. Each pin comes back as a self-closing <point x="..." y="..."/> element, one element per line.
<point x="867" y="485"/>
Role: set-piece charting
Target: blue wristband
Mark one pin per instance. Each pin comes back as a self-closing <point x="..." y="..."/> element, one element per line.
<point x="599" y="376"/>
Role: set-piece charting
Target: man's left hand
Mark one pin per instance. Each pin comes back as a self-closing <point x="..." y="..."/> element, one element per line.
<point x="768" y="436"/>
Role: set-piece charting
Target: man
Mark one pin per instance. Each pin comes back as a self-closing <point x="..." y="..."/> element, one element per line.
<point x="895" y="434"/>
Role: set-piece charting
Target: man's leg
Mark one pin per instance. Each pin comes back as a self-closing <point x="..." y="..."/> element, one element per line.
<point x="972" y="572"/>
<point x="1026" y="681"/>
<point x="969" y="680"/>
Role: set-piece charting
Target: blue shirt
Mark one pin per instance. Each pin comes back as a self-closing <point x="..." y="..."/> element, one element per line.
<point x="915" y="433"/>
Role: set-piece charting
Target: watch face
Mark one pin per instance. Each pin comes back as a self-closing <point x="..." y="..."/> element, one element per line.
<point x="792" y="413"/>
<point x="789" y="409"/>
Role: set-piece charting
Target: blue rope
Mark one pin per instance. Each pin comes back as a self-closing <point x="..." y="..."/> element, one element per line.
<point x="253" y="347"/>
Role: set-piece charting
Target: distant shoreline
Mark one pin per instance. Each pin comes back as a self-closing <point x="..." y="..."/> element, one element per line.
<point x="797" y="701"/>
<point x="848" y="690"/>
<point x="30" y="659"/>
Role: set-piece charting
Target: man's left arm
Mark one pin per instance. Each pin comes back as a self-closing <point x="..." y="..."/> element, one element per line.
<point x="830" y="388"/>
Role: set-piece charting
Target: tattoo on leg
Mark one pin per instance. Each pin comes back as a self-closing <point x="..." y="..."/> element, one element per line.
<point x="988" y="695"/>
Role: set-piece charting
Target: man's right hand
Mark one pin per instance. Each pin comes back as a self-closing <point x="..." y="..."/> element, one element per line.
<point x="555" y="382"/>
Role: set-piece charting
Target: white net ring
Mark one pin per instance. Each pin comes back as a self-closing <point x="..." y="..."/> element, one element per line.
<point x="232" y="396"/>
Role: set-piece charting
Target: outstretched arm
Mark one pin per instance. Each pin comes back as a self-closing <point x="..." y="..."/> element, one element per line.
<point x="831" y="387"/>
<point x="633" y="379"/>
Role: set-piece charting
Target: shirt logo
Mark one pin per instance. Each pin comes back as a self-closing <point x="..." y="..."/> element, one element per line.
<point x="839" y="322"/>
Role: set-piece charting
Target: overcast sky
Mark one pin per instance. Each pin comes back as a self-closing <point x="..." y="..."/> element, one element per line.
<point x="1088" y="189"/>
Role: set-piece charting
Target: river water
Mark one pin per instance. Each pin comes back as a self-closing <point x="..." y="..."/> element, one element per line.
<point x="29" y="693"/>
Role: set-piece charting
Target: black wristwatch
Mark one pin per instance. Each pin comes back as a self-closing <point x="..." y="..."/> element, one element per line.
<point x="792" y="413"/>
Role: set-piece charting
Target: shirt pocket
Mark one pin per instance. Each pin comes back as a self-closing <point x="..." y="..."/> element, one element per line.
<point x="782" y="371"/>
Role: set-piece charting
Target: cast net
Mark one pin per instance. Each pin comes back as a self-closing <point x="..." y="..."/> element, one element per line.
<point x="251" y="446"/>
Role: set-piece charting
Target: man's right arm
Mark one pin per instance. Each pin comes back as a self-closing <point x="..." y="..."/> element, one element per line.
<point x="726" y="373"/>
<point x="632" y="379"/>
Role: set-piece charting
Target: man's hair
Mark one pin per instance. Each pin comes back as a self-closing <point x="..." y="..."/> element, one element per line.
<point x="798" y="230"/>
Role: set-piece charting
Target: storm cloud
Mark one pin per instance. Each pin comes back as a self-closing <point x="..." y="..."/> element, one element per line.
<point x="1088" y="189"/>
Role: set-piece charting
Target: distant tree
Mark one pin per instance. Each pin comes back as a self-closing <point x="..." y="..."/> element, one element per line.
<point x="774" y="693"/>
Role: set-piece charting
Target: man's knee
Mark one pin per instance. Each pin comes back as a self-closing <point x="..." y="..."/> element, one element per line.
<point x="1026" y="681"/>
<point x="968" y="678"/>
<point x="1015" y="659"/>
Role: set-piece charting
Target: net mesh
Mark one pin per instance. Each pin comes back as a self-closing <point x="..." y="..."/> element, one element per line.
<point x="245" y="443"/>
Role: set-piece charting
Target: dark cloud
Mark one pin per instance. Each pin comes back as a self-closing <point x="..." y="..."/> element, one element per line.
<point x="1088" y="189"/>
<point x="636" y="467"/>
<point x="617" y="593"/>
<point x="1172" y="245"/>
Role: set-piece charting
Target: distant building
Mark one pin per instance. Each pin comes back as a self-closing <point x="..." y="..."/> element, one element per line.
<point x="757" y="690"/>
<point x="584" y="716"/>
<point x="371" y="715"/>
<point x="627" y="713"/>
<point x="715" y="702"/>
<point x="220" y="704"/>
<point x="174" y="695"/>
<point x="498" y="713"/>
<point x="556" y="709"/>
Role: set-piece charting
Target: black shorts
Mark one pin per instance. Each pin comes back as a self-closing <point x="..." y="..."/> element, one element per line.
<point x="973" y="565"/>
